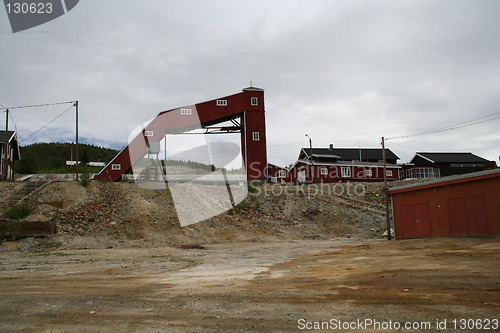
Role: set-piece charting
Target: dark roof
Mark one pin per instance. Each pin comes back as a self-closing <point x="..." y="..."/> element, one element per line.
<point x="451" y="157"/>
<point x="253" y="88"/>
<point x="2" y="136"/>
<point x="352" y="154"/>
<point x="349" y="163"/>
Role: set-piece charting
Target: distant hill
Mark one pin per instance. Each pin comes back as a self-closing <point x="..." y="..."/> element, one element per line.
<point x="52" y="157"/>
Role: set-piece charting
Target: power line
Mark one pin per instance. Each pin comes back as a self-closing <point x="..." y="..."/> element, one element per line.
<point x="87" y="125"/>
<point x="284" y="130"/>
<point x="468" y="123"/>
<point x="288" y="144"/>
<point x="324" y="120"/>
<point x="50" y="122"/>
<point x="35" y="105"/>
<point x="15" y="125"/>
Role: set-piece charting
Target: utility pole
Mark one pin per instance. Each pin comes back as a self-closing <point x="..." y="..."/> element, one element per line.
<point x="311" y="153"/>
<point x="5" y="173"/>
<point x="386" y="192"/>
<point x="165" y="162"/>
<point x="76" y="149"/>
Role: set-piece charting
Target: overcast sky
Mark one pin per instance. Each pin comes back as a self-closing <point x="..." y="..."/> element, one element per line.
<point x="344" y="72"/>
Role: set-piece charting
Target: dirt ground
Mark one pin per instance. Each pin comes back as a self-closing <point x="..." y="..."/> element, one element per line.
<point x="282" y="261"/>
<point x="273" y="286"/>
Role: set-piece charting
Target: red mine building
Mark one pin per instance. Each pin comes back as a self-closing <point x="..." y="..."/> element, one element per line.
<point x="245" y="112"/>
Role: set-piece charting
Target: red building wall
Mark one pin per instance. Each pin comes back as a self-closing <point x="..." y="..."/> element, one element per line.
<point x="334" y="174"/>
<point x="254" y="121"/>
<point x="464" y="207"/>
<point x="274" y="171"/>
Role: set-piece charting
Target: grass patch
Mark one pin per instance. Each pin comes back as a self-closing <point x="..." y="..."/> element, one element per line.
<point x="85" y="179"/>
<point x="17" y="212"/>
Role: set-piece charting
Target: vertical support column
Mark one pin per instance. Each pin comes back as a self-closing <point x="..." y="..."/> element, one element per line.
<point x="386" y="190"/>
<point x="76" y="151"/>
<point x="6" y="148"/>
<point x="253" y="136"/>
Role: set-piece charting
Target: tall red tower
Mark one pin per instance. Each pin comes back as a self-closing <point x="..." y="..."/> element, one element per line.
<point x="245" y="110"/>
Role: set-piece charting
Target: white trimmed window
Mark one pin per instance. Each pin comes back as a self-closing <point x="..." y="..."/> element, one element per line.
<point x="255" y="136"/>
<point x="437" y="173"/>
<point x="116" y="166"/>
<point x="324" y="171"/>
<point x="148" y="133"/>
<point x="282" y="174"/>
<point x="368" y="173"/>
<point x="345" y="172"/>
<point x="254" y="101"/>
<point x="388" y="173"/>
<point x="186" y="112"/>
<point x="221" y="102"/>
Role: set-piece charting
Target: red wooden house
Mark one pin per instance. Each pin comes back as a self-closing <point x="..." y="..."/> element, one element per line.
<point x="328" y="165"/>
<point x="278" y="174"/>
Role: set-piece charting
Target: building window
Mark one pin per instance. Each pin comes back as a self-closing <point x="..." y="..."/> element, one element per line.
<point x="116" y="166"/>
<point x="410" y="173"/>
<point x="437" y="173"/>
<point x="388" y="173"/>
<point x="255" y="136"/>
<point x="424" y="173"/>
<point x="254" y="101"/>
<point x="282" y="174"/>
<point x="368" y="173"/>
<point x="186" y="112"/>
<point x="148" y="133"/>
<point x="324" y="171"/>
<point x="345" y="172"/>
<point x="221" y="102"/>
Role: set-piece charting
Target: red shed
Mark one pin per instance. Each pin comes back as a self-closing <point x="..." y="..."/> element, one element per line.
<point x="463" y="205"/>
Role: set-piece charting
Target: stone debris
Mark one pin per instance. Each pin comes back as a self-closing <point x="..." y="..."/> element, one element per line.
<point x="124" y="210"/>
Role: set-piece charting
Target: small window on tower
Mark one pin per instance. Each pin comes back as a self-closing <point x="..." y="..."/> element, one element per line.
<point x="256" y="136"/>
<point x="186" y="112"/>
<point x="255" y="101"/>
<point x="116" y="167"/>
<point x="221" y="102"/>
<point x="148" y="133"/>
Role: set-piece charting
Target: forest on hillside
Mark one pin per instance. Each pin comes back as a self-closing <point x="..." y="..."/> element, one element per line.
<point x="52" y="157"/>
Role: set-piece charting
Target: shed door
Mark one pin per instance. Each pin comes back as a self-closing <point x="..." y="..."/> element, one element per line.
<point x="467" y="216"/>
<point x="476" y="216"/>
<point x="458" y="217"/>
<point x="416" y="220"/>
